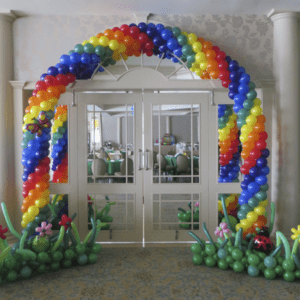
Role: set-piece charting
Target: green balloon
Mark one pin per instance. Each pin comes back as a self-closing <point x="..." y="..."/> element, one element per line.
<point x="69" y="254"/>
<point x="210" y="249"/>
<point x="54" y="266"/>
<point x="80" y="249"/>
<point x="251" y="94"/>
<point x="224" y="119"/>
<point x="240" y="122"/>
<point x="246" y="208"/>
<point x="79" y="48"/>
<point x="70" y="52"/>
<point x="261" y="195"/>
<point x="187" y="50"/>
<point x="264" y="187"/>
<point x="26" y="272"/>
<point x="196" y="217"/>
<point x="176" y="31"/>
<point x="251" y="85"/>
<point x="237" y="254"/>
<point x="196" y="248"/>
<point x="280" y="259"/>
<point x="222" y="264"/>
<point x="210" y="262"/>
<point x="183" y="58"/>
<point x="230" y="249"/>
<point x="289" y="276"/>
<point x="180" y="215"/>
<point x="12" y="276"/>
<point x="40" y="218"/>
<point x="253" y="202"/>
<point x="243" y="113"/>
<point x="248" y="252"/>
<point x="92" y="258"/>
<point x="279" y="270"/>
<point x="182" y="40"/>
<point x="270" y="262"/>
<point x="100" y="50"/>
<point x="297" y="273"/>
<point x="229" y="259"/>
<point x="189" y="65"/>
<point x="253" y="271"/>
<point x="197" y="259"/>
<point x="43" y="257"/>
<point x="233" y="221"/>
<point x="191" y="58"/>
<point x="67" y="263"/>
<point x="10" y="263"/>
<point x="105" y="64"/>
<point x="187" y="216"/>
<point x="112" y="61"/>
<point x="89" y="48"/>
<point x="244" y="261"/>
<point x="248" y="104"/>
<point x="108" y="52"/>
<point x="288" y="265"/>
<point x="57" y="256"/>
<point x="42" y="269"/>
<point x="253" y="260"/>
<point x="238" y="267"/>
<point x="270" y="273"/>
<point x="261" y="267"/>
<point x="222" y="253"/>
<point x="24" y="144"/>
<point x="82" y="259"/>
<point x="262" y="255"/>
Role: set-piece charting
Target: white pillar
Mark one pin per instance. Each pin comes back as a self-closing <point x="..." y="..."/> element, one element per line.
<point x="287" y="98"/>
<point x="119" y="130"/>
<point x="6" y="116"/>
<point x="168" y="125"/>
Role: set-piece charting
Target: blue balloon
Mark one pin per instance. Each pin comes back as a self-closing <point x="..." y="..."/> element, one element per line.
<point x="158" y="41"/>
<point x="151" y="32"/>
<point x="63" y="69"/>
<point x="163" y="48"/>
<point x="265" y="170"/>
<point x="95" y="58"/>
<point x="232" y="175"/>
<point x="178" y="52"/>
<point x="244" y="185"/>
<point x="223" y="173"/>
<point x="32" y="162"/>
<point x="234" y="76"/>
<point x="151" y="25"/>
<point x="239" y="99"/>
<point x="160" y="27"/>
<point x="43" y="76"/>
<point x="166" y="34"/>
<point x="248" y="178"/>
<point x="175" y="60"/>
<point x="65" y="59"/>
<point x="220" y="115"/>
<point x="52" y="71"/>
<point x="85" y="58"/>
<point x="243" y="88"/>
<point x="172" y="43"/>
<point x="233" y="65"/>
<point x="24" y="177"/>
<point x="75" y="57"/>
<point x="75" y="68"/>
<point x="236" y="169"/>
<point x="246" y="194"/>
<point x="233" y="87"/>
<point x="240" y="214"/>
<point x="237" y="107"/>
<point x="222" y="107"/>
<point x="236" y="156"/>
<point x="132" y="24"/>
<point x="261" y="180"/>
<point x="226" y="179"/>
<point x="228" y="59"/>
<point x="265" y="153"/>
<point x="245" y="78"/>
<point x="261" y="162"/>
<point x="241" y="70"/>
<point x="253" y="188"/>
<point x="220" y="180"/>
<point x="231" y="95"/>
<point x="254" y="171"/>
<point x="33" y="144"/>
<point x="142" y="26"/>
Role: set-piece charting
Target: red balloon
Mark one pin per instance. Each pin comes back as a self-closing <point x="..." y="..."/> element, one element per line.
<point x="32" y="178"/>
<point x="249" y="162"/>
<point x="41" y="170"/>
<point x="115" y="29"/>
<point x="126" y="29"/>
<point x="223" y="65"/>
<point x="71" y="77"/>
<point x="221" y="56"/>
<point x="261" y="144"/>
<point x="216" y="49"/>
<point x="34" y="93"/>
<point x="28" y="185"/>
<point x="255" y="153"/>
<point x="225" y="83"/>
<point x="143" y="38"/>
<point x="50" y="80"/>
<point x="25" y="193"/>
<point x="149" y="45"/>
<point x="244" y="170"/>
<point x="149" y="53"/>
<point x="46" y="161"/>
<point x="41" y="86"/>
<point x="235" y="143"/>
<point x="263" y="135"/>
<point x="62" y="80"/>
<point x="228" y="156"/>
<point x="224" y="75"/>
<point x="233" y="149"/>
<point x="134" y="32"/>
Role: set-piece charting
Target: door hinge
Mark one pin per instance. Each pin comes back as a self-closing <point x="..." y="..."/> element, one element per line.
<point x="176" y="235"/>
<point x="110" y="234"/>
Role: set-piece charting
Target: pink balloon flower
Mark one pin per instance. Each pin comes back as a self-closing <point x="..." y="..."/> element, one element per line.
<point x="197" y="204"/>
<point x="44" y="229"/>
<point x="222" y="229"/>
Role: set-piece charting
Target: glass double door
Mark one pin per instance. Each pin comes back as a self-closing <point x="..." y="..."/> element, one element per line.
<point x="145" y="156"/>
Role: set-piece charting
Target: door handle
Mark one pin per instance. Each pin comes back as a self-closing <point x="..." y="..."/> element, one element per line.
<point x="140" y="160"/>
<point x="146" y="158"/>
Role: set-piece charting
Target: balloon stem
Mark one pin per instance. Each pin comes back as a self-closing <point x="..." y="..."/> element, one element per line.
<point x="8" y="222"/>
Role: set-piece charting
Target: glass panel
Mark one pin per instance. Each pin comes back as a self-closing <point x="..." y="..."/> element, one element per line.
<point x="174" y="211"/>
<point x="113" y="209"/>
<point x="229" y="150"/>
<point x="110" y="143"/>
<point x="59" y="203"/>
<point x="59" y="145"/>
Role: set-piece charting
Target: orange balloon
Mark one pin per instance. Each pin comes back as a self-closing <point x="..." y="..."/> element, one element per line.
<point x="53" y="92"/>
<point x="24" y="208"/>
<point x="259" y="127"/>
<point x="245" y="154"/>
<point x="248" y="146"/>
<point x="234" y="130"/>
<point x="253" y="136"/>
<point x="214" y="74"/>
<point x="46" y="178"/>
<point x="210" y="54"/>
<point x="206" y="46"/>
<point x="42" y="186"/>
<point x="62" y="89"/>
<point x="109" y="33"/>
<point x="42" y="95"/>
<point x="119" y="35"/>
<point x="99" y="35"/>
<point x="34" y="194"/>
<point x="27" y="109"/>
<point x="201" y="40"/>
<point x="33" y="101"/>
<point x="212" y="65"/>
<point x="261" y="119"/>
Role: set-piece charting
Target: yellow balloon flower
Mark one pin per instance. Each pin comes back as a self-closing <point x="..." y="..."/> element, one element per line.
<point x="28" y="118"/>
<point x="296" y="233"/>
<point x="245" y="224"/>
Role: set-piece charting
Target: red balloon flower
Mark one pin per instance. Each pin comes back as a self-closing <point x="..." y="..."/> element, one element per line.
<point x="65" y="221"/>
<point x="2" y="231"/>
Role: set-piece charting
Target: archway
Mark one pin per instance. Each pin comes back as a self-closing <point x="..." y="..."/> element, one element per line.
<point x="201" y="57"/>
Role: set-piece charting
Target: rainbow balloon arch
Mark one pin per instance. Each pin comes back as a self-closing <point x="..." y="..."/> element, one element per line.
<point x="39" y="250"/>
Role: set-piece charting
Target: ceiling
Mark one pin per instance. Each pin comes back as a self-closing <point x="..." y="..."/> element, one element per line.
<point x="125" y="7"/>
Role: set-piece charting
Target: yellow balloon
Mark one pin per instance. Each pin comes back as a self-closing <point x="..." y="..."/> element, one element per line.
<point x="62" y="118"/>
<point x="40" y="203"/>
<point x="25" y="217"/>
<point x="238" y="227"/>
<point x="195" y="65"/>
<point x="58" y="123"/>
<point x="53" y="101"/>
<point x="243" y="138"/>
<point x="257" y="102"/>
<point x="200" y="57"/>
<point x="24" y="128"/>
<point x="122" y="48"/>
<point x="252" y="216"/>
<point x="125" y="57"/>
<point x="116" y="56"/>
<point x="260" y="210"/>
<point x="54" y="129"/>
<point x="251" y="120"/>
<point x="85" y="42"/>
<point x="220" y="208"/>
<point x="231" y="199"/>
<point x="226" y="202"/>
<point x="197" y="47"/>
<point x="226" y="130"/>
<point x="192" y="38"/>
<point x="35" y="110"/>
<point x="45" y="194"/>
<point x="113" y="45"/>
<point x="28" y="118"/>
<point x="104" y="41"/>
<point x="245" y="224"/>
<point x="199" y="72"/>
<point x="94" y="41"/>
<point x="33" y="210"/>
<point x="263" y="203"/>
<point x="45" y="105"/>
<point x="184" y="33"/>
<point x="233" y="117"/>
<point x="203" y="65"/>
<point x="256" y="110"/>
<point x="23" y="224"/>
<point x="230" y="124"/>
